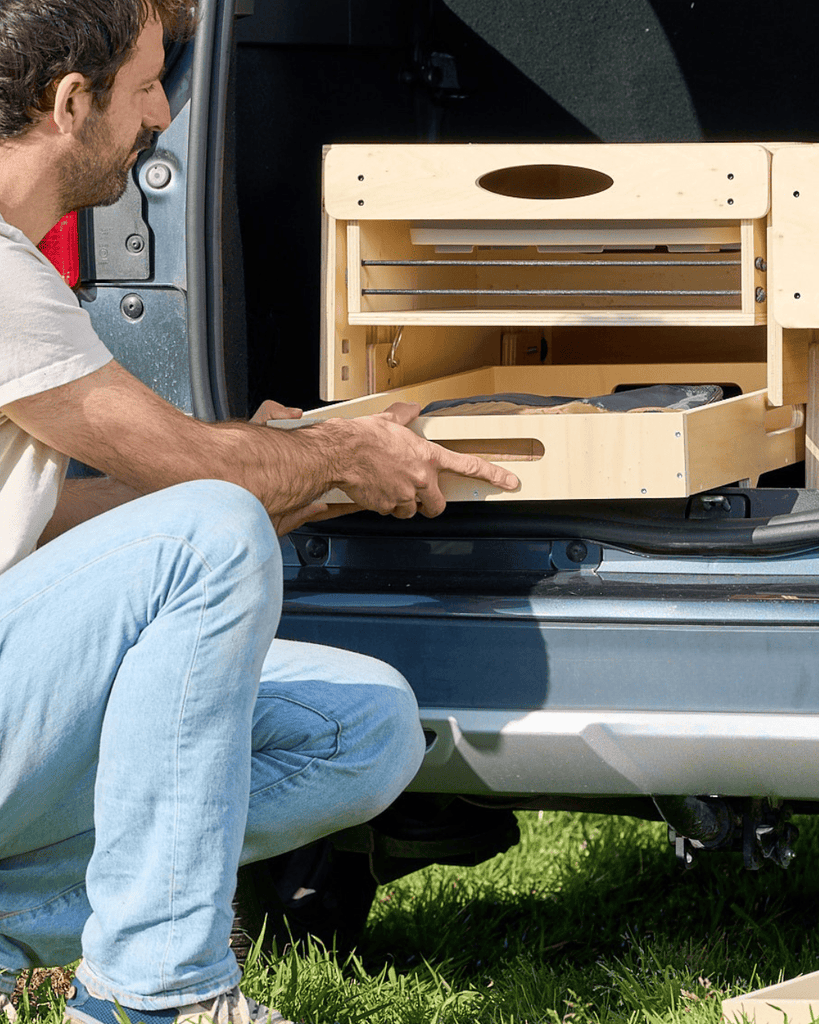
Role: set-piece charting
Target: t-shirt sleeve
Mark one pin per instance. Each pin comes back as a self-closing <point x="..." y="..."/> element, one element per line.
<point x="46" y="338"/>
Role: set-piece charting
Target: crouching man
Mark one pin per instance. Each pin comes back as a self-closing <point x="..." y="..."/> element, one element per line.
<point x="153" y="732"/>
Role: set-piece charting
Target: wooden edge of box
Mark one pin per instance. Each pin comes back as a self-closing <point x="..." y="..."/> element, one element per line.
<point x="418" y="181"/>
<point x="789" y="1002"/>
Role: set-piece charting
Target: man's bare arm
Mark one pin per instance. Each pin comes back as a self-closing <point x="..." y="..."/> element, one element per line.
<point x="111" y="421"/>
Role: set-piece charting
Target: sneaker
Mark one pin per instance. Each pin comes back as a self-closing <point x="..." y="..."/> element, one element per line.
<point x="228" y="1008"/>
<point x="7" y="1007"/>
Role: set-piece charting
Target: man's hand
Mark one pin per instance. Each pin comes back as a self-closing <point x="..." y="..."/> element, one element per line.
<point x="393" y="471"/>
<point x="270" y="410"/>
<point x="316" y="511"/>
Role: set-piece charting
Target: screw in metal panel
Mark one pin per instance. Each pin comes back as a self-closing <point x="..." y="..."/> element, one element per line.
<point x="132" y="307"/>
<point x="360" y="202"/>
<point x="760" y="264"/>
<point x="643" y="491"/>
<point x="135" y="243"/>
<point x="797" y="295"/>
<point x="760" y="295"/>
<point x="576" y="551"/>
<point x="730" y="202"/>
<point x="158" y="176"/>
<point x="316" y="548"/>
<point x="730" y="177"/>
<point x="361" y="177"/>
<point x="796" y="195"/>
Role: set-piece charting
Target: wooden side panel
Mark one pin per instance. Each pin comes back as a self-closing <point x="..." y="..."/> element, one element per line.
<point x="812" y="420"/>
<point x="343" y="366"/>
<point x="353" y="267"/>
<point x="788" y="364"/>
<point x="754" y="273"/>
<point x="406" y="182"/>
<point x="738" y="439"/>
<point x="793" y="248"/>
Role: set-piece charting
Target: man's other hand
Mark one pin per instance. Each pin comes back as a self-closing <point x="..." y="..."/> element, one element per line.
<point x="270" y="410"/>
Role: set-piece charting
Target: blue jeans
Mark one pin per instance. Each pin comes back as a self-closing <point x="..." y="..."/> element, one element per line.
<point x="153" y="735"/>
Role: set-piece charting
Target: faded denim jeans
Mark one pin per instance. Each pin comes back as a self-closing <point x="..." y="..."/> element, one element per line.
<point x="153" y="735"/>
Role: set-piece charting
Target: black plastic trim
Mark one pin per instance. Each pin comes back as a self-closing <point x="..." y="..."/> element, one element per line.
<point x="641" y="526"/>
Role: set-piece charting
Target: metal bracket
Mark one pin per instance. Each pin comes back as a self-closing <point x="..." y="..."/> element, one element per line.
<point x="117" y="244"/>
<point x="392" y="359"/>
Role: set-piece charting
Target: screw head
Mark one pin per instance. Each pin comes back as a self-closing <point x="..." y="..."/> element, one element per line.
<point x="158" y="176"/>
<point x="316" y="549"/>
<point x="576" y="551"/>
<point x="135" y="243"/>
<point x="132" y="307"/>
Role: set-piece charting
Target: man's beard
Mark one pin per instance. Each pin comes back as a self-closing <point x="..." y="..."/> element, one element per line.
<point x="95" y="174"/>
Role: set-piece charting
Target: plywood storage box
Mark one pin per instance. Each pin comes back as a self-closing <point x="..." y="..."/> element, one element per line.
<point x="790" y="1002"/>
<point x="577" y="270"/>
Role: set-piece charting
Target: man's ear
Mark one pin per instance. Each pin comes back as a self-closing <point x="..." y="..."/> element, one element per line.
<point x="72" y="103"/>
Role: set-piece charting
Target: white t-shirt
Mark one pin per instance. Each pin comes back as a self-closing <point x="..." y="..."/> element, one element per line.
<point x="46" y="339"/>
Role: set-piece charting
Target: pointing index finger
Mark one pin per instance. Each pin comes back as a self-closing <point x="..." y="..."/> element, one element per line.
<point x="476" y="467"/>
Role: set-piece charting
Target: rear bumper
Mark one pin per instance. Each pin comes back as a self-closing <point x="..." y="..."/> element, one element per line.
<point x="596" y="753"/>
<point x="632" y="674"/>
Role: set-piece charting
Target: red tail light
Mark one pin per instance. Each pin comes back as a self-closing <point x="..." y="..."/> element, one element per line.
<point x="62" y="246"/>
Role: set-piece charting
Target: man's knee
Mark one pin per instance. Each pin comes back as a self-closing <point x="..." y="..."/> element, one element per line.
<point x="401" y="738"/>
<point x="207" y="528"/>
<point x="382" y="741"/>
<point x="222" y="516"/>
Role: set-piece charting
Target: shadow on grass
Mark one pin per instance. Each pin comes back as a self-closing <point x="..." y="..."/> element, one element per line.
<point x="612" y="904"/>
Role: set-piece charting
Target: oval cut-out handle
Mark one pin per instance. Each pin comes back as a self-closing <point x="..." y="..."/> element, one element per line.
<point x="545" y="181"/>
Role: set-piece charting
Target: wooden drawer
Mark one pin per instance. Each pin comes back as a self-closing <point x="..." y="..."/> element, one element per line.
<point x="604" y="455"/>
<point x="451" y="270"/>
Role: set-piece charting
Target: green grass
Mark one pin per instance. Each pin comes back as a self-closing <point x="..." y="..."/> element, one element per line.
<point x="588" y="921"/>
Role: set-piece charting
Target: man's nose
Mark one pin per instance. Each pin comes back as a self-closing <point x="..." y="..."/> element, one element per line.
<point x="158" y="114"/>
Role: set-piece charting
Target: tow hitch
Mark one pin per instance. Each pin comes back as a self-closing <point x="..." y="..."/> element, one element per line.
<point x="760" y="828"/>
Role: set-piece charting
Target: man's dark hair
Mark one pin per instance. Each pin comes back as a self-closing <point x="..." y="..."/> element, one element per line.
<point x="41" y="41"/>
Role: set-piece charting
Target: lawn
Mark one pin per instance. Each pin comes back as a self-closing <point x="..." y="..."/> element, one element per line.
<point x="588" y="920"/>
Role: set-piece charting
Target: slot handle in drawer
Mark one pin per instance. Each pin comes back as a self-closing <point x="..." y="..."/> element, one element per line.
<point x="496" y="449"/>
